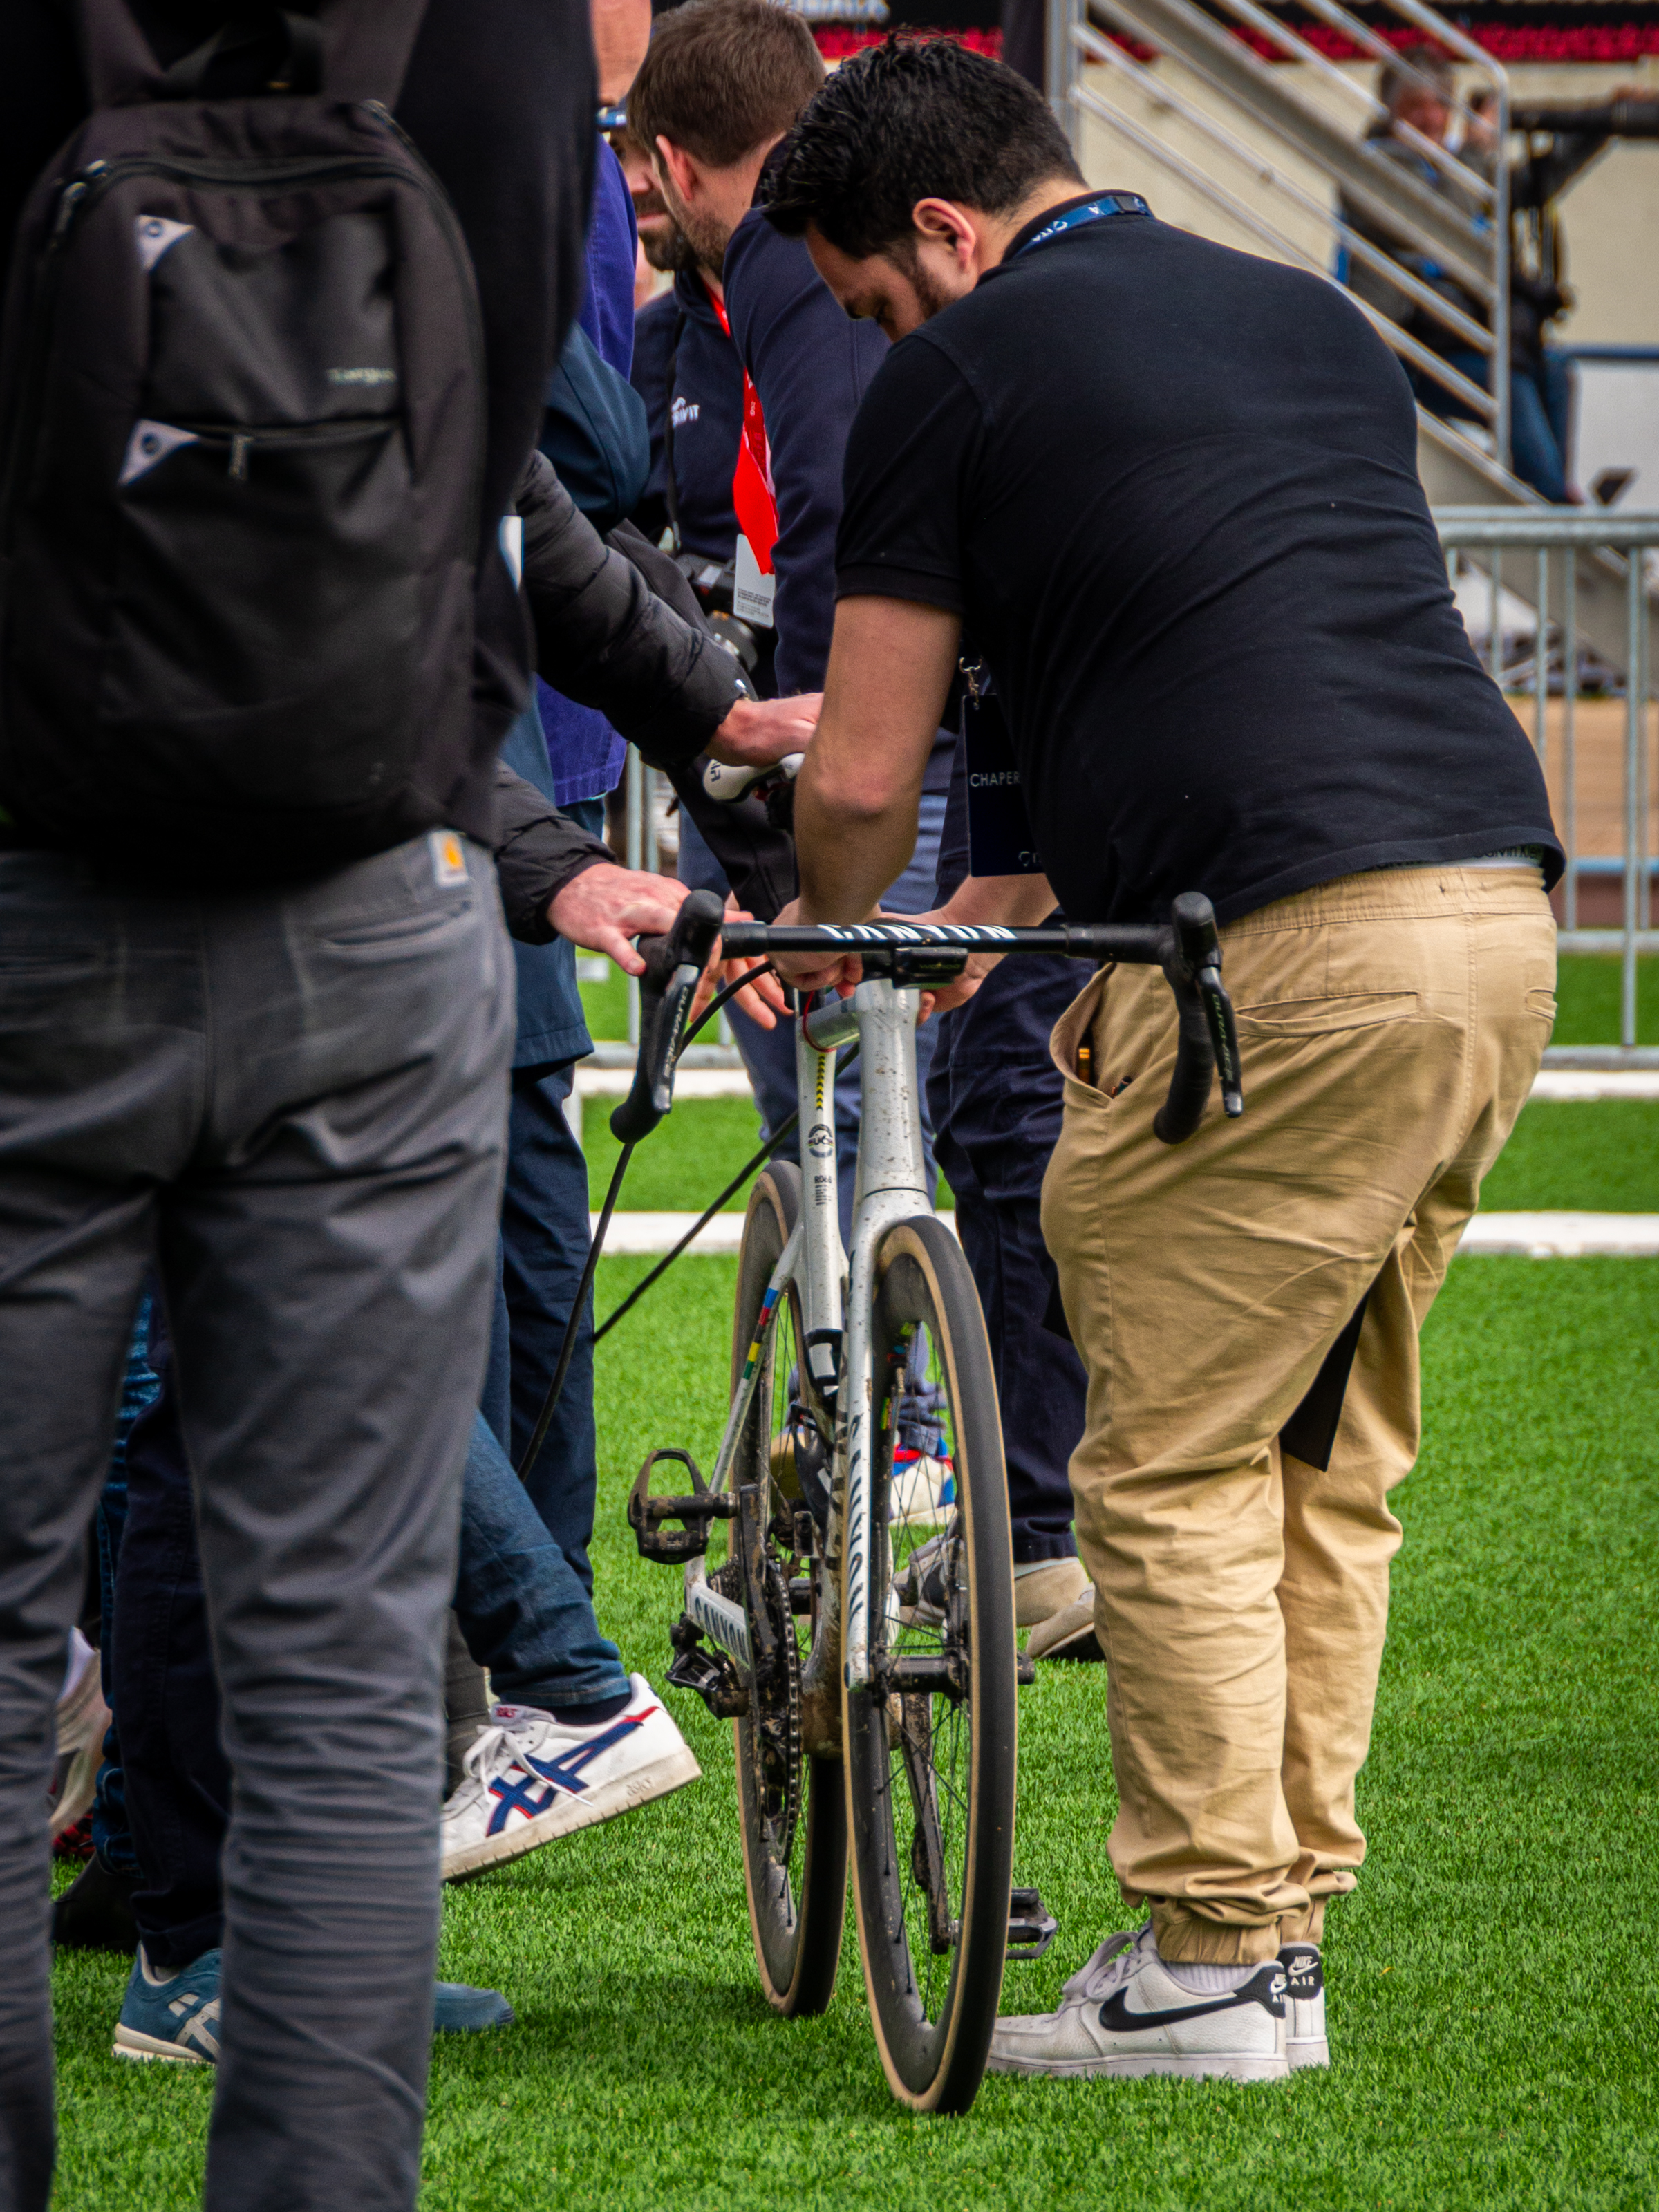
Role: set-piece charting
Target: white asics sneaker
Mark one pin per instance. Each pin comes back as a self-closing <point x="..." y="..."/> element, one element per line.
<point x="923" y="1492"/>
<point x="1123" y="2013"/>
<point x="82" y="1718"/>
<point x="530" y="1778"/>
<point x="1305" y="2040"/>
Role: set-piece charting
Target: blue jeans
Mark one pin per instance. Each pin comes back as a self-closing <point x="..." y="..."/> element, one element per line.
<point x="543" y="1251"/>
<point x="524" y="1607"/>
<point x="111" y="1835"/>
<point x="1540" y="417"/>
<point x="769" y="1056"/>
<point x="523" y="1610"/>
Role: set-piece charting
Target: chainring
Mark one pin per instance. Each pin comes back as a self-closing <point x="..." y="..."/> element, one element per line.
<point x="769" y="1734"/>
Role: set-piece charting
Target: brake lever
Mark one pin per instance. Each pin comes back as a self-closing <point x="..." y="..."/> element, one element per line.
<point x="673" y="968"/>
<point x="1223" y="1036"/>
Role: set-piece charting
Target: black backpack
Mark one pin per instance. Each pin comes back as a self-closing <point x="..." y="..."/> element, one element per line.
<point x="241" y="445"/>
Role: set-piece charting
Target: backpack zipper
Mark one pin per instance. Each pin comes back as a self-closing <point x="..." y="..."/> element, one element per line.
<point x="84" y="191"/>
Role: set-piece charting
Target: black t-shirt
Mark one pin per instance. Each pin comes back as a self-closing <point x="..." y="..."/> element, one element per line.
<point x="1172" y="491"/>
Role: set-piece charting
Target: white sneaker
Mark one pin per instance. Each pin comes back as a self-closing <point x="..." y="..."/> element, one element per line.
<point x="923" y="1491"/>
<point x="1123" y="2013"/>
<point x="530" y="1778"/>
<point x="82" y="1718"/>
<point x="1305" y="2040"/>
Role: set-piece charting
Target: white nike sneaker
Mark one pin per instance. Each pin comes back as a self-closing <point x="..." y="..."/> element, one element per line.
<point x="530" y="1778"/>
<point x="1123" y="2013"/>
<point x="1305" y="2040"/>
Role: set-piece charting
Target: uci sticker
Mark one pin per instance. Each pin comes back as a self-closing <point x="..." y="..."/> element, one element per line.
<point x="449" y="858"/>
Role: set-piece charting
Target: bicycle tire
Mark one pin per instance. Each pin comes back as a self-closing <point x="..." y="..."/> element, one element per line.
<point x="794" y="1869"/>
<point x="945" y="1898"/>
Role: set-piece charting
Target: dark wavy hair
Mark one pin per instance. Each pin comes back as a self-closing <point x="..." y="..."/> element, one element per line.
<point x="912" y="120"/>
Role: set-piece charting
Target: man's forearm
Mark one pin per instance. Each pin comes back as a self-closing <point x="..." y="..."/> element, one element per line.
<point x="1017" y="902"/>
<point x="857" y="799"/>
<point x="849" y="853"/>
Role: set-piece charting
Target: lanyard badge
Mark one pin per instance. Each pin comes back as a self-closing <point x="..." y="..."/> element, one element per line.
<point x="754" y="584"/>
<point x="1000" y="840"/>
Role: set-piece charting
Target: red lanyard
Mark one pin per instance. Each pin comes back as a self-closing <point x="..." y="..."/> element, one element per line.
<point x="751" y="482"/>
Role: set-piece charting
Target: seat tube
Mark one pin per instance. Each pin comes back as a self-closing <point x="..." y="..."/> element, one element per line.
<point x="892" y="1187"/>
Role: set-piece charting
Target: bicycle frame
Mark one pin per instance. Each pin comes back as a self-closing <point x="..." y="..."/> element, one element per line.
<point x="891" y="1186"/>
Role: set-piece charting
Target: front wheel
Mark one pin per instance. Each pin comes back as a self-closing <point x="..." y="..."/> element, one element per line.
<point x="930" y="1747"/>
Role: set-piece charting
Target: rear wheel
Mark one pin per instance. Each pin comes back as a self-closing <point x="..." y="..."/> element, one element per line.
<point x="930" y="1747"/>
<point x="792" y="1807"/>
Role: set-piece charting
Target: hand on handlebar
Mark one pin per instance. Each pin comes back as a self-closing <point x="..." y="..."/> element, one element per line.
<point x="606" y="906"/>
<point x="758" y="731"/>
<point x="811" y="971"/>
<point x="762" y="1000"/>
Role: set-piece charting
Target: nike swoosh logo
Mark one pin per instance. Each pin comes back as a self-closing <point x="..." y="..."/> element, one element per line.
<point x="1115" y="2015"/>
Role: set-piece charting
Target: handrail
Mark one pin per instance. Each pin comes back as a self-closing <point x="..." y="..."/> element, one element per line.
<point x="1475" y="334"/>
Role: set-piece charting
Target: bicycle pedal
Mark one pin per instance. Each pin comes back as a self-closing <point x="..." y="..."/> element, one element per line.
<point x="672" y="1547"/>
<point x="710" y="1673"/>
<point x="1032" y="1927"/>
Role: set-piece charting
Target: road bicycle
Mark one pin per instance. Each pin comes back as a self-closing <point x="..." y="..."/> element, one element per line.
<point x="869" y="1669"/>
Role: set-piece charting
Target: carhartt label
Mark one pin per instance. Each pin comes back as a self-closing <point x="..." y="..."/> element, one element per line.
<point x="751" y="592"/>
<point x="448" y="857"/>
<point x="683" y="411"/>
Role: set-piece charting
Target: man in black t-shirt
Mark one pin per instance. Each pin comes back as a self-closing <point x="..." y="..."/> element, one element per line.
<point x="1167" y="493"/>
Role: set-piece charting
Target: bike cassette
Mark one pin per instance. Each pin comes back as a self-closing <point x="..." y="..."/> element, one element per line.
<point x="646" y="1514"/>
<point x="1032" y="1927"/>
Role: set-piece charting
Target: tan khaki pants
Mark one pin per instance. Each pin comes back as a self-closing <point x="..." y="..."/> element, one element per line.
<point x="1390" y="1026"/>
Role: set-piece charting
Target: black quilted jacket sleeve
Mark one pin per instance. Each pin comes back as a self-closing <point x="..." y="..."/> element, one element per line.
<point x="603" y="638"/>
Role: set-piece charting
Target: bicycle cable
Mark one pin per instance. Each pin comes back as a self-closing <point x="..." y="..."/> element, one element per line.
<point x="596" y="1245"/>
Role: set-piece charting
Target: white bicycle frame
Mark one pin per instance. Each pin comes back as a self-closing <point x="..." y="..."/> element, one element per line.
<point x="891" y="1186"/>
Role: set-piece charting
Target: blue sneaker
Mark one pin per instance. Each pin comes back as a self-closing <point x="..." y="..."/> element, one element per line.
<point x="177" y="2018"/>
<point x="173" y="2016"/>
<point x="457" y="2011"/>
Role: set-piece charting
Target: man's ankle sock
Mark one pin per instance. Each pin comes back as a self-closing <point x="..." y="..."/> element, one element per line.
<point x="593" y="1716"/>
<point x="1206" y="1980"/>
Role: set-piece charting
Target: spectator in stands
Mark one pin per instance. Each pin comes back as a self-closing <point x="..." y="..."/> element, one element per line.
<point x="1418" y="92"/>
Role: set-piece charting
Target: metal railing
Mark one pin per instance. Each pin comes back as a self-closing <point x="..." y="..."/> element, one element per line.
<point x="642" y="792"/>
<point x="1464" y="230"/>
<point x="1554" y="546"/>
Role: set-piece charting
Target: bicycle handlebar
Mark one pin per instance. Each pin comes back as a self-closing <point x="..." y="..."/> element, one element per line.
<point x="673" y="966"/>
<point x="1186" y="948"/>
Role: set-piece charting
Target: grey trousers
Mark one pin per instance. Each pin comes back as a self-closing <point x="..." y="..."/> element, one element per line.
<point x="296" y="1102"/>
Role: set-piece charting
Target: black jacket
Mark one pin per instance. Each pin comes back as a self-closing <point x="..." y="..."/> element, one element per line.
<point x="617" y="627"/>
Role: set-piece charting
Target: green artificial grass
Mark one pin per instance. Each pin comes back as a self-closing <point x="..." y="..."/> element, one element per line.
<point x="1598" y="1154"/>
<point x="683" y="1164"/>
<point x="1588" y="987"/>
<point x="1491" y="1999"/>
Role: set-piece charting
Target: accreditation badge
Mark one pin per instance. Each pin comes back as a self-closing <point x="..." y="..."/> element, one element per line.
<point x="1000" y="840"/>
<point x="752" y="593"/>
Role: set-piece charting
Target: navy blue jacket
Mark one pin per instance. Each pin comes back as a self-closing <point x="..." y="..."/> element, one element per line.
<point x="707" y="394"/>
<point x="812" y="366"/>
